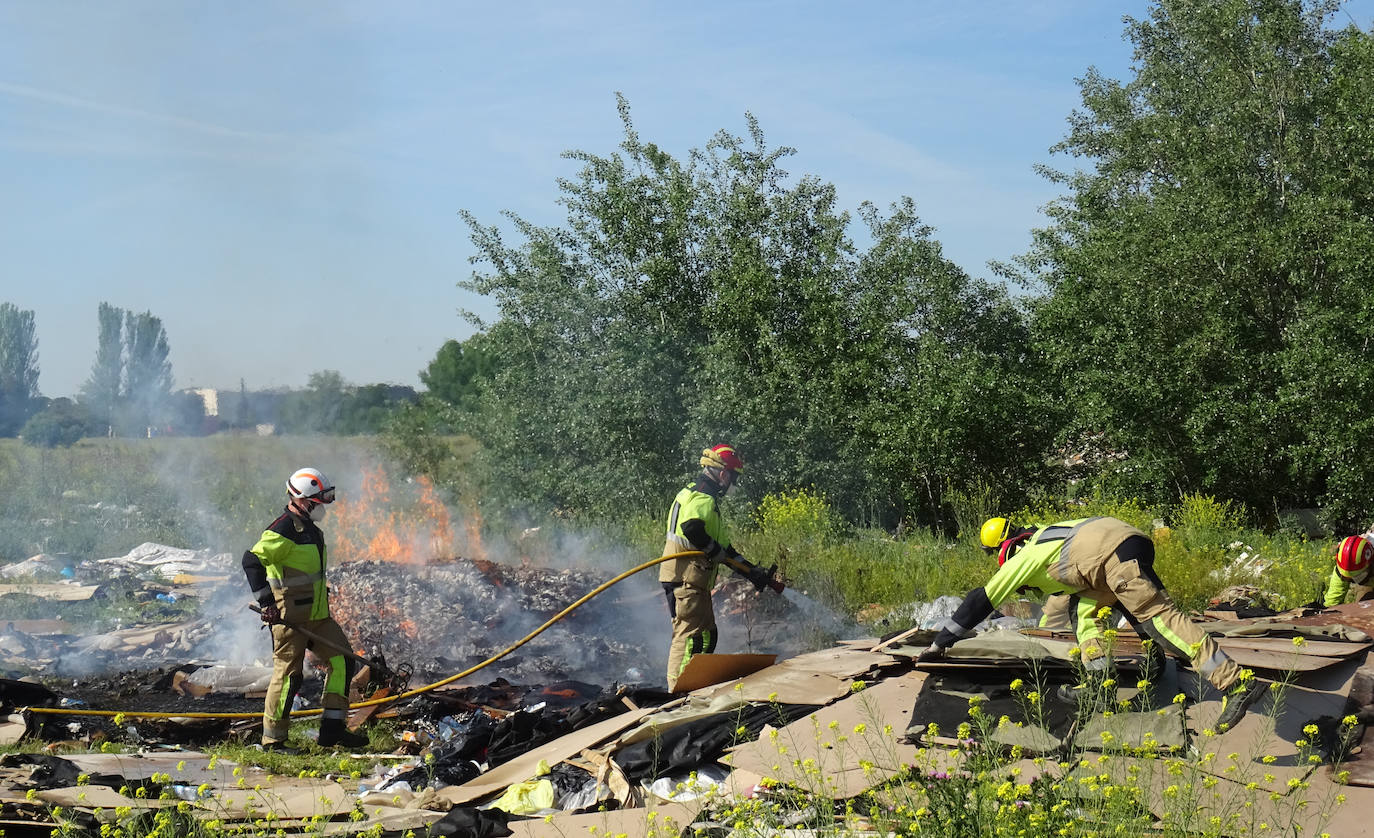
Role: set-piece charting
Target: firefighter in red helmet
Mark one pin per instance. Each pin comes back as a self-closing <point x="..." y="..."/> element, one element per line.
<point x="1353" y="556"/>
<point x="695" y="525"/>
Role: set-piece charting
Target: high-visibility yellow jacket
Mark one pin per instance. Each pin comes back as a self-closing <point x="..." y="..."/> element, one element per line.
<point x="696" y="502"/>
<point x="286" y="568"/>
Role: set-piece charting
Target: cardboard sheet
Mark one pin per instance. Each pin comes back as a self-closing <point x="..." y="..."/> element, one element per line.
<point x="55" y="591"/>
<point x="1277" y="662"/>
<point x="785" y="685"/>
<point x="840" y="662"/>
<point x="290" y="797"/>
<point x="862" y="759"/>
<point x="660" y="821"/>
<point x="684" y="710"/>
<point x="708" y="670"/>
<point x="1320" y="648"/>
<point x="523" y="767"/>
<point x="1256" y="736"/>
<point x="98" y="797"/>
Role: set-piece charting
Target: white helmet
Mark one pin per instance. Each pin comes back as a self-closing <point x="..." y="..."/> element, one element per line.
<point x="310" y="484"/>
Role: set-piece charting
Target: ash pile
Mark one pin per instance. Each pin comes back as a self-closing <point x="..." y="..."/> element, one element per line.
<point x="447" y="616"/>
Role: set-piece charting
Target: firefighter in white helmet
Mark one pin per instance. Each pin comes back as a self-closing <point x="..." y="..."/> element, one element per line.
<point x="286" y="573"/>
<point x="695" y="525"/>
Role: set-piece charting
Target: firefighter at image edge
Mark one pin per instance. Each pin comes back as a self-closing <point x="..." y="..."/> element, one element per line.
<point x="1099" y="562"/>
<point x="286" y="573"/>
<point x="1352" y="567"/>
<point x="694" y="524"/>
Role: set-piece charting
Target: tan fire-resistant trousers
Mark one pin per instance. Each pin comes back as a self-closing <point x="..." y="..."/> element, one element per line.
<point x="1105" y="580"/>
<point x="1056" y="613"/>
<point x="694" y="628"/>
<point x="288" y="661"/>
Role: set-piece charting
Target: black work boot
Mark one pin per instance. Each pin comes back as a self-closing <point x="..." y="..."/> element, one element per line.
<point x="334" y="734"/>
<point x="278" y="747"/>
<point x="1238" y="700"/>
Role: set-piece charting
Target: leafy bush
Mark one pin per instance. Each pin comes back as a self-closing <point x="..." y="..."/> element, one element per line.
<point x="799" y="515"/>
<point x="60" y="425"/>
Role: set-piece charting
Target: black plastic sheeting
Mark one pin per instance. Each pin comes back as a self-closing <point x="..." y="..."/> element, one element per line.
<point x="52" y="772"/>
<point x="689" y="745"/>
<point x="15" y="694"/>
<point x="462" y="823"/>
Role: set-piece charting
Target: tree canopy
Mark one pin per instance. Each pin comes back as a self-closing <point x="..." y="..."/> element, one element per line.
<point x="686" y="302"/>
<point x="1190" y="319"/>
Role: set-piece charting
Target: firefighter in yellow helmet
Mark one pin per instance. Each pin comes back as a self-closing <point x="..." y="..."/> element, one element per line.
<point x="1353" y="556"/>
<point x="997" y="535"/>
<point x="1102" y="562"/>
<point x="286" y="573"/>
<point x="695" y="525"/>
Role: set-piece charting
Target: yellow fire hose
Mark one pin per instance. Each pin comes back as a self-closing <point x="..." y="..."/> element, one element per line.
<point x="134" y="714"/>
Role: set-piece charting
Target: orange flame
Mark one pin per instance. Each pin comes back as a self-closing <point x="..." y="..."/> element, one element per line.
<point x="379" y="526"/>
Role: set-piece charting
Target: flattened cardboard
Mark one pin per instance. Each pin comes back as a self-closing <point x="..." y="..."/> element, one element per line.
<point x="862" y="759"/>
<point x="680" y="712"/>
<point x="97" y="797"/>
<point x="709" y="670"/>
<point x="190" y="767"/>
<point x="55" y="591"/>
<point x="523" y="767"/>
<point x="292" y="797"/>
<point x="840" y="662"/>
<point x="1312" y="696"/>
<point x="786" y="685"/>
<point x="1277" y="661"/>
<point x="1320" y="648"/>
<point x="12" y="728"/>
<point x="660" y="821"/>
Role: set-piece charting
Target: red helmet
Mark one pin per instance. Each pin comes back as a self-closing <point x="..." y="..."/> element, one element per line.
<point x="1352" y="557"/>
<point x="1009" y="546"/>
<point x="722" y="456"/>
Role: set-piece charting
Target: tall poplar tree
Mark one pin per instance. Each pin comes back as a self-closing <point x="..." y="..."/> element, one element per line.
<point x="18" y="368"/>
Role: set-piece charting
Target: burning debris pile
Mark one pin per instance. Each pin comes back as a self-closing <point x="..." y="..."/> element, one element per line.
<point x="445" y="617"/>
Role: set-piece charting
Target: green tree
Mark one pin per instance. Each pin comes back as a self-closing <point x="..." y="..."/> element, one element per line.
<point x="102" y="390"/>
<point x="1181" y="269"/>
<point x="458" y="371"/>
<point x="147" y="397"/>
<point x="685" y="303"/>
<point x="61" y="424"/>
<point x="18" y="367"/>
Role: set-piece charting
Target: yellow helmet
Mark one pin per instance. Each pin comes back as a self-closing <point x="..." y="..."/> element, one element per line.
<point x="994" y="532"/>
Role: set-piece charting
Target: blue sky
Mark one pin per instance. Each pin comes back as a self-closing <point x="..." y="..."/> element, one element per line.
<point x="280" y="182"/>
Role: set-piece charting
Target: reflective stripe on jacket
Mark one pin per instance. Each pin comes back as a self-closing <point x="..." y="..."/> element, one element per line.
<point x="690" y="504"/>
<point x="293" y="557"/>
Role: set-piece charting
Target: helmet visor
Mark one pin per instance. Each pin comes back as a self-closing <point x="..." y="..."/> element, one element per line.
<point x="326" y="496"/>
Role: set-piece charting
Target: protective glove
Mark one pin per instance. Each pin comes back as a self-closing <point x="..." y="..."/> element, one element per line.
<point x="760" y="576"/>
<point x="930" y="653"/>
<point x="270" y="615"/>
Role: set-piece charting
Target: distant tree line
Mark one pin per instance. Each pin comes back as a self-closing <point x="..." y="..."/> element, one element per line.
<point x="1194" y="318"/>
<point x="130" y="391"/>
